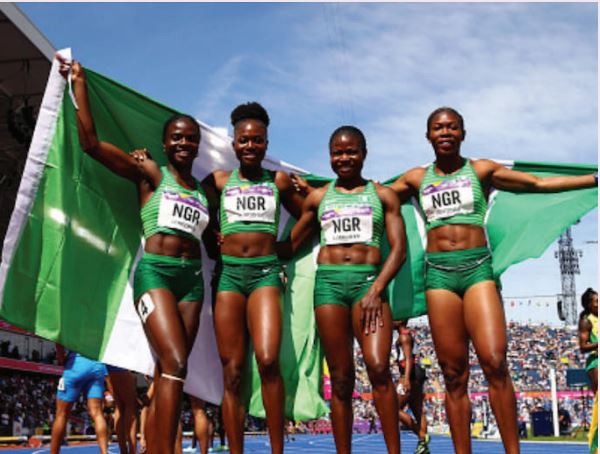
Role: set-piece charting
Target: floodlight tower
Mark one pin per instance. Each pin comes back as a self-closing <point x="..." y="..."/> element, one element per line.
<point x="568" y="259"/>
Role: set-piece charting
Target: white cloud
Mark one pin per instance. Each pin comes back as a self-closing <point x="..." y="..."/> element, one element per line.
<point x="525" y="77"/>
<point x="213" y="102"/>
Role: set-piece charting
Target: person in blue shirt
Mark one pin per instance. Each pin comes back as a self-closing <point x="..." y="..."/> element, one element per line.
<point x="81" y="375"/>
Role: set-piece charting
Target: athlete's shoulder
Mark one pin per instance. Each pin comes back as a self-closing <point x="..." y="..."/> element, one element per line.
<point x="323" y="189"/>
<point x="585" y="323"/>
<point x="379" y="187"/>
<point x="217" y="178"/>
<point x="316" y="196"/>
<point x="410" y="181"/>
<point x="150" y="167"/>
<point x="484" y="167"/>
<point x="417" y="173"/>
<point x="385" y="193"/>
<point x="222" y="173"/>
<point x="484" y="164"/>
<point x="282" y="179"/>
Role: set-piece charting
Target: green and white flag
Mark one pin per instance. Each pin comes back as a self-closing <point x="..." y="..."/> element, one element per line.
<point x="519" y="226"/>
<point x="75" y="236"/>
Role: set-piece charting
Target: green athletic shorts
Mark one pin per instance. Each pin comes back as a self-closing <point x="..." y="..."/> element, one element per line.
<point x="344" y="284"/>
<point x="182" y="276"/>
<point x="458" y="270"/>
<point x="246" y="274"/>
<point x="591" y="362"/>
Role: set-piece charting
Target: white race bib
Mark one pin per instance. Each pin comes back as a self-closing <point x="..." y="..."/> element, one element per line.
<point x="182" y="212"/>
<point x="447" y="198"/>
<point x="351" y="224"/>
<point x="254" y="203"/>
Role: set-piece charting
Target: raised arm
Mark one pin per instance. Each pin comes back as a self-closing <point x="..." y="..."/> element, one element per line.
<point x="307" y="225"/>
<point x="394" y="227"/>
<point x="211" y="235"/>
<point x="407" y="184"/>
<point x="507" y="179"/>
<point x="106" y="153"/>
<point x="217" y="181"/>
<point x="290" y="197"/>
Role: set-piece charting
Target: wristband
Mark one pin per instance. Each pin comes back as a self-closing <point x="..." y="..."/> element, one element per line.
<point x="596" y="178"/>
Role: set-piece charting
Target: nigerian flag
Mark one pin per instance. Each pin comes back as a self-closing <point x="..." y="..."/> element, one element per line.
<point x="519" y="226"/>
<point x="75" y="236"/>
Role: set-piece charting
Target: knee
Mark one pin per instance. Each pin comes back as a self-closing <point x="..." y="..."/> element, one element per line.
<point x="379" y="372"/>
<point x="95" y="411"/>
<point x="94" y="414"/>
<point x="62" y="412"/>
<point x="495" y="367"/>
<point x="174" y="363"/>
<point x="232" y="376"/>
<point x="268" y="366"/>
<point x="342" y="385"/>
<point x="456" y="377"/>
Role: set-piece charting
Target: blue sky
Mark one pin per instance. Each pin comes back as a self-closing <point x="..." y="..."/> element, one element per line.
<point x="524" y="75"/>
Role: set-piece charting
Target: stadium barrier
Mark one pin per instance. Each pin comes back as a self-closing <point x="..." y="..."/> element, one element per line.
<point x="13" y="440"/>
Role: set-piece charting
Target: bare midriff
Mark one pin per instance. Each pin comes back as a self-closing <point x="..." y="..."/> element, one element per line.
<point x="173" y="246"/>
<point x="248" y="244"/>
<point x="455" y="237"/>
<point x="349" y="254"/>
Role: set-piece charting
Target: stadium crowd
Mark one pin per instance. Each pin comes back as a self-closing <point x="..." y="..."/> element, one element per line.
<point x="533" y="351"/>
<point x="27" y="403"/>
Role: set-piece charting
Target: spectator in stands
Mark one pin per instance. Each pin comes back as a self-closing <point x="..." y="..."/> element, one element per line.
<point x="4" y="348"/>
<point x="5" y="422"/>
<point x="23" y="394"/>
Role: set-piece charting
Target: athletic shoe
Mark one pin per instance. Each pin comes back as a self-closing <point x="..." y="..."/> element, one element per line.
<point x="422" y="446"/>
<point x="189" y="449"/>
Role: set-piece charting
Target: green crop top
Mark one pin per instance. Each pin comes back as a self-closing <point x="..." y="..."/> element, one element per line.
<point x="355" y="217"/>
<point x="452" y="199"/>
<point x="250" y="205"/>
<point x="175" y="210"/>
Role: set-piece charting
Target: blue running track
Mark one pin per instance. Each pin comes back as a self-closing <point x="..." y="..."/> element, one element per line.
<point x="361" y="444"/>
